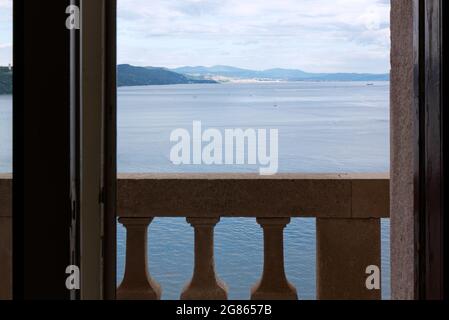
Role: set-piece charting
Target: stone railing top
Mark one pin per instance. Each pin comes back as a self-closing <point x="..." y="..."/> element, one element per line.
<point x="252" y="195"/>
<point x="254" y="176"/>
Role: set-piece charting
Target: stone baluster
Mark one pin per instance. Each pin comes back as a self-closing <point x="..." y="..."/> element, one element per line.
<point x="205" y="284"/>
<point x="274" y="284"/>
<point x="137" y="282"/>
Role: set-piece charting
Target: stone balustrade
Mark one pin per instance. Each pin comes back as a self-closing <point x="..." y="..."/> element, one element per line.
<point x="347" y="209"/>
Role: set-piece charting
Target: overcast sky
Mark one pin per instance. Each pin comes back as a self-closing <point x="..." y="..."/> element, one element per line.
<point x="5" y="32"/>
<point x="313" y="35"/>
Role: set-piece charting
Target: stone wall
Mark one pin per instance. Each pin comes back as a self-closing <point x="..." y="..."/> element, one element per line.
<point x="402" y="151"/>
<point x="5" y="237"/>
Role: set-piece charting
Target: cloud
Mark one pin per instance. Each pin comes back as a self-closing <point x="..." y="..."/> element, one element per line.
<point x="315" y="35"/>
<point x="257" y="33"/>
<point x="6" y="4"/>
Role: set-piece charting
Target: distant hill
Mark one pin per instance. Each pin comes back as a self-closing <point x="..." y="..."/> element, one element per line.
<point x="277" y="74"/>
<point x="5" y="80"/>
<point x="128" y="75"/>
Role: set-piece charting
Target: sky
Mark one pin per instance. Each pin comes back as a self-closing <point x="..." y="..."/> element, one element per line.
<point x="5" y="32"/>
<point x="311" y="35"/>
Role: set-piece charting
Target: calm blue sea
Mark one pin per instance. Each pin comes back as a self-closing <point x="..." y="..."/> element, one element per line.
<point x="323" y="127"/>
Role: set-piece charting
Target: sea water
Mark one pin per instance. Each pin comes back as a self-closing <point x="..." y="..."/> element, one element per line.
<point x="323" y="127"/>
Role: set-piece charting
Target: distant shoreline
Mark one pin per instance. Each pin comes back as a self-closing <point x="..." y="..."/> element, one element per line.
<point x="243" y="82"/>
<point x="130" y="76"/>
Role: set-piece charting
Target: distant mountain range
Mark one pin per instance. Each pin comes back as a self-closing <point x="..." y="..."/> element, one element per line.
<point x="132" y="76"/>
<point x="128" y="75"/>
<point x="276" y="74"/>
<point x="5" y="80"/>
